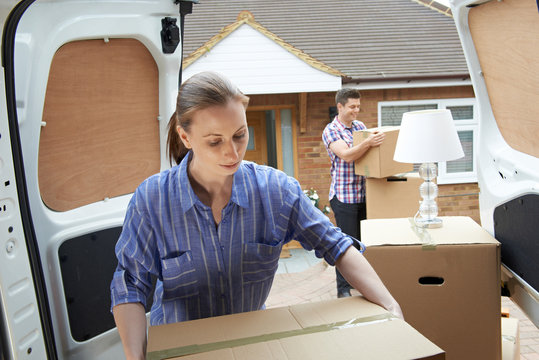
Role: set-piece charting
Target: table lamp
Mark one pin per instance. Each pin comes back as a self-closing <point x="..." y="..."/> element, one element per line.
<point x="427" y="137"/>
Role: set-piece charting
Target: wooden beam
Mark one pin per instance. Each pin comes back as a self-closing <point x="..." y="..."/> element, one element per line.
<point x="303" y="112"/>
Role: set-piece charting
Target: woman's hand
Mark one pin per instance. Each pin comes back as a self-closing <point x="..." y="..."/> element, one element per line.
<point x="130" y="319"/>
<point x="395" y="309"/>
<point x="359" y="273"/>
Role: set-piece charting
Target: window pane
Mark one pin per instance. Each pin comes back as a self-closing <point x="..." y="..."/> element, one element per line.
<point x="461" y="112"/>
<point x="270" y="139"/>
<point x="251" y="143"/>
<point x="464" y="164"/>
<point x="392" y="115"/>
<point x="287" y="141"/>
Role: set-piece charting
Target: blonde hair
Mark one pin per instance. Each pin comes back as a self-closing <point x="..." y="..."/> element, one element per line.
<point x="199" y="92"/>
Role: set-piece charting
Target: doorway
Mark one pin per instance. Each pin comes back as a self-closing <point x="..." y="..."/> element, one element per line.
<point x="257" y="148"/>
<point x="272" y="138"/>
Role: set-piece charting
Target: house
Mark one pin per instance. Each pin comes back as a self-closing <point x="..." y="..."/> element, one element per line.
<point x="290" y="58"/>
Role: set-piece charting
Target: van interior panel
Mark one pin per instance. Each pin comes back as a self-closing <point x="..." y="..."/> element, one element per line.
<point x="86" y="263"/>
<point x="100" y="133"/>
<point x="510" y="77"/>
<point x="516" y="227"/>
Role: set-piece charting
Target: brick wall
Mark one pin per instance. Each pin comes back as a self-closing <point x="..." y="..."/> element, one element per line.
<point x="313" y="161"/>
<point x="459" y="200"/>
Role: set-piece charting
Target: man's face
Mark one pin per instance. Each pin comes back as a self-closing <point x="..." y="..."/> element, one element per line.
<point x="349" y="111"/>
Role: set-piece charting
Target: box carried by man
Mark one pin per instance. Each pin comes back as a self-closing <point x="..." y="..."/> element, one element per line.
<point x="378" y="161"/>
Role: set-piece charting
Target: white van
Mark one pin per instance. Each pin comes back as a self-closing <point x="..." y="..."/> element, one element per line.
<point x="500" y="40"/>
<point x="86" y="92"/>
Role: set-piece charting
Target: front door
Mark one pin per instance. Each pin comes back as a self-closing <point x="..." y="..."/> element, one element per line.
<point x="257" y="149"/>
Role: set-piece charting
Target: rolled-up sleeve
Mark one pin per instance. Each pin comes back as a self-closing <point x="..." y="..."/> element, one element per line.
<point x="308" y="225"/>
<point x="135" y="250"/>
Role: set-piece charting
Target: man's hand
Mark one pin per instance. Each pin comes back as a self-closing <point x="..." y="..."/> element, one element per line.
<point x="341" y="149"/>
<point x="376" y="138"/>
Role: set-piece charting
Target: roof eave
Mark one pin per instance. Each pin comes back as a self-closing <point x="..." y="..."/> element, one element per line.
<point x="348" y="79"/>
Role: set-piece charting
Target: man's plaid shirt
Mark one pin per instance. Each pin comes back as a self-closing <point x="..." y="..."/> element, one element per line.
<point x="345" y="184"/>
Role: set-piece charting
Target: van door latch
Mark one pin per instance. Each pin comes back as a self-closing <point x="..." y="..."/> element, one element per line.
<point x="170" y="35"/>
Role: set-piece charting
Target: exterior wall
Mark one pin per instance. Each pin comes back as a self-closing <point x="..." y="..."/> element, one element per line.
<point x="313" y="161"/>
<point x="459" y="200"/>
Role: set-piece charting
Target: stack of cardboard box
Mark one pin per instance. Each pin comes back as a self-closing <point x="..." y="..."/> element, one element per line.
<point x="391" y="191"/>
<point x="446" y="280"/>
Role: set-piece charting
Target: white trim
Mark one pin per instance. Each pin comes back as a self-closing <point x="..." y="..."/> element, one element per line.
<point x="376" y="85"/>
<point x="463" y="177"/>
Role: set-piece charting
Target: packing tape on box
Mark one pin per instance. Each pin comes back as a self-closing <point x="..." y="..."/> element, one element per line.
<point x="196" y="348"/>
<point x="423" y="235"/>
<point x="509" y="338"/>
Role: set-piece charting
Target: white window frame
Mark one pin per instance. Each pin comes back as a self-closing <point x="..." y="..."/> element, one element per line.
<point x="461" y="125"/>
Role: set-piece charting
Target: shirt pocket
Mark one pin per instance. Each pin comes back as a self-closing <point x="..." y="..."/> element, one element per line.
<point x="179" y="277"/>
<point x="260" y="261"/>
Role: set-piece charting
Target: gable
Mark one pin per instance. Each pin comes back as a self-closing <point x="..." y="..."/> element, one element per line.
<point x="258" y="64"/>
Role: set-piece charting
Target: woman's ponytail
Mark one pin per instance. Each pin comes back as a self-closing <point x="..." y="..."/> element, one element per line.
<point x="176" y="148"/>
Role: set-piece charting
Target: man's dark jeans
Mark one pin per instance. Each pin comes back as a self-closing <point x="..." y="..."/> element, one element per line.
<point x="348" y="217"/>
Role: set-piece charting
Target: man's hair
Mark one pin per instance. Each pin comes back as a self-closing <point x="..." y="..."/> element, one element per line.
<point x="343" y="95"/>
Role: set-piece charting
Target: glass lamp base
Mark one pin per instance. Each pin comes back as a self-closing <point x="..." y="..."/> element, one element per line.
<point x="432" y="223"/>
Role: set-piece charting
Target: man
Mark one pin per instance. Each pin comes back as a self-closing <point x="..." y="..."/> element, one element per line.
<point x="347" y="191"/>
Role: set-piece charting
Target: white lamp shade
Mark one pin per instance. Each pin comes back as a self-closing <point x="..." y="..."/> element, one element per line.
<point x="427" y="136"/>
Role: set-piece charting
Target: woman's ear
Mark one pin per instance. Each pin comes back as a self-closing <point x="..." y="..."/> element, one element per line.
<point x="183" y="137"/>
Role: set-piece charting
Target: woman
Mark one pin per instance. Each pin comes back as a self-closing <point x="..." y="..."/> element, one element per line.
<point x="211" y="228"/>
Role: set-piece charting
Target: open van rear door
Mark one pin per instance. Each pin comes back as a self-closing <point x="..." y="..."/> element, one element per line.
<point x="87" y="89"/>
<point x="501" y="44"/>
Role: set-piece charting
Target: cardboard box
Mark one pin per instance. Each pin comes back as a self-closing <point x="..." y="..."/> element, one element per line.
<point x="337" y="329"/>
<point x="393" y="197"/>
<point x="378" y="161"/>
<point x="510" y="339"/>
<point x="449" y="290"/>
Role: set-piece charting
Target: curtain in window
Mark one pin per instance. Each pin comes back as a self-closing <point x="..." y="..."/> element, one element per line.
<point x="392" y="115"/>
<point x="461" y="112"/>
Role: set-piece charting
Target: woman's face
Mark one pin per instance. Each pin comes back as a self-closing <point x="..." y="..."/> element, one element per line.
<point x="218" y="136"/>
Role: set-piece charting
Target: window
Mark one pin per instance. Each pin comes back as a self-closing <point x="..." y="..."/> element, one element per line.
<point x="287" y="142"/>
<point x="465" y="116"/>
